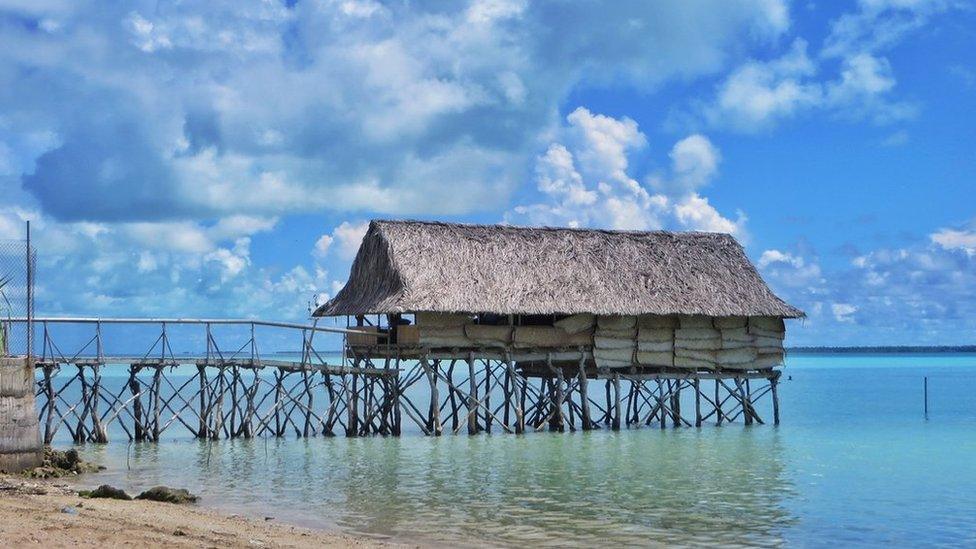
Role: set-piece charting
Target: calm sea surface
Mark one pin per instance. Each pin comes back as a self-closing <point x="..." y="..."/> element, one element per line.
<point x="854" y="463"/>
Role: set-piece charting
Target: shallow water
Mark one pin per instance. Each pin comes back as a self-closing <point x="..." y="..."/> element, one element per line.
<point x="855" y="462"/>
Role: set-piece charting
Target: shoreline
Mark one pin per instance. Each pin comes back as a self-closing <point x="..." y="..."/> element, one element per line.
<point x="50" y="513"/>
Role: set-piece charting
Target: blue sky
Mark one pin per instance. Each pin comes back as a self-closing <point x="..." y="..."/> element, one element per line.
<point x="222" y="158"/>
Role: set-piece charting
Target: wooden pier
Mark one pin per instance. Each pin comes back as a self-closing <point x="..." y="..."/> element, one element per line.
<point x="381" y="390"/>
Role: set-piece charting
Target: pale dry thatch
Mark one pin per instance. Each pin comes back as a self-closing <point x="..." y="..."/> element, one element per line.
<point x="413" y="266"/>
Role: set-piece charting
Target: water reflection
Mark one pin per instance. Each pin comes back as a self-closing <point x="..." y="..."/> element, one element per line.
<point x="722" y="486"/>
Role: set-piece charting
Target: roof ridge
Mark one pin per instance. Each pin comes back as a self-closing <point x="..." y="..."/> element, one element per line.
<point x="549" y="228"/>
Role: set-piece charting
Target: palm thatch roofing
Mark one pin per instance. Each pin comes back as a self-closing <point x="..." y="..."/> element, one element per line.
<point x="415" y="266"/>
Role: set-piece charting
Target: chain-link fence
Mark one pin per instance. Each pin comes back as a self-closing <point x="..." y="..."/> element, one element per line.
<point x="16" y="296"/>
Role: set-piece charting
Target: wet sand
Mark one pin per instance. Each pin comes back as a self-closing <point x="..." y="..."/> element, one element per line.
<point x="51" y="514"/>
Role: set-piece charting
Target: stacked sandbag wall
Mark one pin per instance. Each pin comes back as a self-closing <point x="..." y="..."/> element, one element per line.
<point x="615" y="341"/>
<point x="20" y="442"/>
<point x="620" y="341"/>
<point x="704" y="343"/>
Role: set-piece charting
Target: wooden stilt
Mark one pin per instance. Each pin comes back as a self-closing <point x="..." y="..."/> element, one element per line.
<point x="433" y="415"/>
<point x="50" y="405"/>
<point x="557" y="397"/>
<point x="489" y="419"/>
<point x="662" y="399"/>
<point x="718" y="404"/>
<point x="352" y="406"/>
<point x="397" y="412"/>
<point x="676" y="403"/>
<point x="98" y="430"/>
<point x="472" y="398"/>
<point x="332" y="413"/>
<point x="79" y="431"/>
<point x="698" y="413"/>
<point x="138" y="427"/>
<point x="518" y="395"/>
<point x="203" y="428"/>
<point x="584" y="397"/>
<point x="154" y="394"/>
<point x="773" y="383"/>
<point x="616" y="404"/>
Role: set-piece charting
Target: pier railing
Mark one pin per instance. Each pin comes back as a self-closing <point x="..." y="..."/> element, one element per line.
<point x="231" y="383"/>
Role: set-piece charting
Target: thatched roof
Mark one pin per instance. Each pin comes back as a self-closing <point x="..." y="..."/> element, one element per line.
<point x="413" y="266"/>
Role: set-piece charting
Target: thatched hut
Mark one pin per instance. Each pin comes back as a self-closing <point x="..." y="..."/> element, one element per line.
<point x="640" y="301"/>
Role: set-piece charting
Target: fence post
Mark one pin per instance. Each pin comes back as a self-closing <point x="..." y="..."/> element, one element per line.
<point x="254" y="348"/>
<point x="98" y="341"/>
<point x="30" y="297"/>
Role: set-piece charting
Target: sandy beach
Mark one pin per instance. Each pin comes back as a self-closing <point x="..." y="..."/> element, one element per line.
<point x="51" y="514"/>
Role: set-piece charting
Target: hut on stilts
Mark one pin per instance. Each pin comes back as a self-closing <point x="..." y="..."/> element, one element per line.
<point x="517" y="328"/>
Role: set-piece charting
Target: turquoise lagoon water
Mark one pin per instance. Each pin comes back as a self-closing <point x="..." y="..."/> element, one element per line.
<point x="855" y="462"/>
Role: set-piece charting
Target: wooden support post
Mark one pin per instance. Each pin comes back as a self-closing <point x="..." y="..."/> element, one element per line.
<point x="676" y="403"/>
<point x="744" y="399"/>
<point x="519" y="399"/>
<point x="487" y="398"/>
<point x="507" y="395"/>
<point x="138" y="427"/>
<point x="523" y="390"/>
<point x="79" y="433"/>
<point x="307" y="427"/>
<point x="629" y="412"/>
<point x="247" y="427"/>
<point x="661" y="400"/>
<point x="698" y="414"/>
<point x="352" y="405"/>
<point x="773" y="382"/>
<point x="204" y="428"/>
<point x="234" y="379"/>
<point x="217" y="408"/>
<point x="472" y="398"/>
<point x="584" y="398"/>
<point x="157" y="382"/>
<point x="49" y="405"/>
<point x="330" y="418"/>
<point x="397" y="412"/>
<point x="556" y="417"/>
<point x="98" y="430"/>
<point x="433" y="415"/>
<point x="616" y="405"/>
<point x="718" y="404"/>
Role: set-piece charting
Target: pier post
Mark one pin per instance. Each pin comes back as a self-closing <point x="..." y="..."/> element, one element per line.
<point x="773" y="383"/>
<point x="330" y="417"/>
<point x="138" y="428"/>
<point x="676" y="403"/>
<point x="558" y="396"/>
<point x="80" y="430"/>
<point x="718" y="405"/>
<point x="99" y="431"/>
<point x="434" y="411"/>
<point x="487" y="408"/>
<point x="472" y="397"/>
<point x="397" y="412"/>
<point x="698" y="414"/>
<point x="49" y="405"/>
<point x="518" y="397"/>
<point x="616" y="405"/>
<point x="352" y="405"/>
<point x="661" y="399"/>
<point x="157" y="380"/>
<point x="204" y="427"/>
<point x="584" y="398"/>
